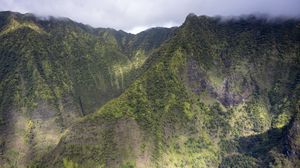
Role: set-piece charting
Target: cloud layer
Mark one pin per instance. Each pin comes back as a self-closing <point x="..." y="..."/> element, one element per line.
<point x="137" y="15"/>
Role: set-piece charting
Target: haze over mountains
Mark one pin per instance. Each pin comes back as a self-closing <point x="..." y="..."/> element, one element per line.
<point x="209" y="93"/>
<point x="138" y="15"/>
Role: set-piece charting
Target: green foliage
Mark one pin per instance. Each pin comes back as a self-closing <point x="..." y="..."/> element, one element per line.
<point x="260" y="117"/>
<point x="29" y="133"/>
<point x="212" y="94"/>
<point x="70" y="164"/>
<point x="202" y="99"/>
<point x="128" y="165"/>
<point x="282" y="120"/>
<point x="60" y="65"/>
<point x="239" y="161"/>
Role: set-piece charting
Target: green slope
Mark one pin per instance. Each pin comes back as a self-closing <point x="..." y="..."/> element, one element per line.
<point x="217" y="94"/>
<point x="53" y="72"/>
<point x="211" y="93"/>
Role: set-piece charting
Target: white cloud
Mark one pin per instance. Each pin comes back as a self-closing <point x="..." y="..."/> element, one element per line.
<point x="136" y="15"/>
<point x="138" y="29"/>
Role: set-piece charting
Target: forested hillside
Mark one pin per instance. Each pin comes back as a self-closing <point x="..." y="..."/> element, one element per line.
<point x="54" y="71"/>
<point x="210" y="93"/>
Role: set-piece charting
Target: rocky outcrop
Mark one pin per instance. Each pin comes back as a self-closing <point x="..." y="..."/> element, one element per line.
<point x="198" y="81"/>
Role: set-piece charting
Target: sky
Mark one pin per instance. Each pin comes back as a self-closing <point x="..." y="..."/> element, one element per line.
<point x="137" y="15"/>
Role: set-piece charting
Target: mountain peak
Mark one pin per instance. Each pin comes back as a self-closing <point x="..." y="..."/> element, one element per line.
<point x="193" y="18"/>
<point x="191" y="15"/>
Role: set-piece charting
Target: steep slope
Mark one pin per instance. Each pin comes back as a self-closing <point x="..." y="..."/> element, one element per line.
<point x="53" y="72"/>
<point x="218" y="94"/>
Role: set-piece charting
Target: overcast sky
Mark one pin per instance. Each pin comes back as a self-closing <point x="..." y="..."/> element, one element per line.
<point x="136" y="15"/>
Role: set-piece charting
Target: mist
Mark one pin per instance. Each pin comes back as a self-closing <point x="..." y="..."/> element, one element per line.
<point x="137" y="15"/>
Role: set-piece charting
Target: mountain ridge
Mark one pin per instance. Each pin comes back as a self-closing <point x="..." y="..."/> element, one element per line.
<point x="164" y="102"/>
<point x="206" y="94"/>
<point x="49" y="80"/>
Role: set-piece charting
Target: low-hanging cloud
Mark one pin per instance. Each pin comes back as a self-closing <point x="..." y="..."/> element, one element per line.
<point x="137" y="15"/>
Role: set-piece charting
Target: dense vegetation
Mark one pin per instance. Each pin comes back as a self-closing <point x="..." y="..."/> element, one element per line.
<point x="55" y="71"/>
<point x="211" y="93"/>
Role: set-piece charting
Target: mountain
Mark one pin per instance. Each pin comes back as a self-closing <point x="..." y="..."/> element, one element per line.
<point x="55" y="71"/>
<point x="210" y="93"/>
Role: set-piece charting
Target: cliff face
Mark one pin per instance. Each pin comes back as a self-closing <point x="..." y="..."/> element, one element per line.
<point x="210" y="93"/>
